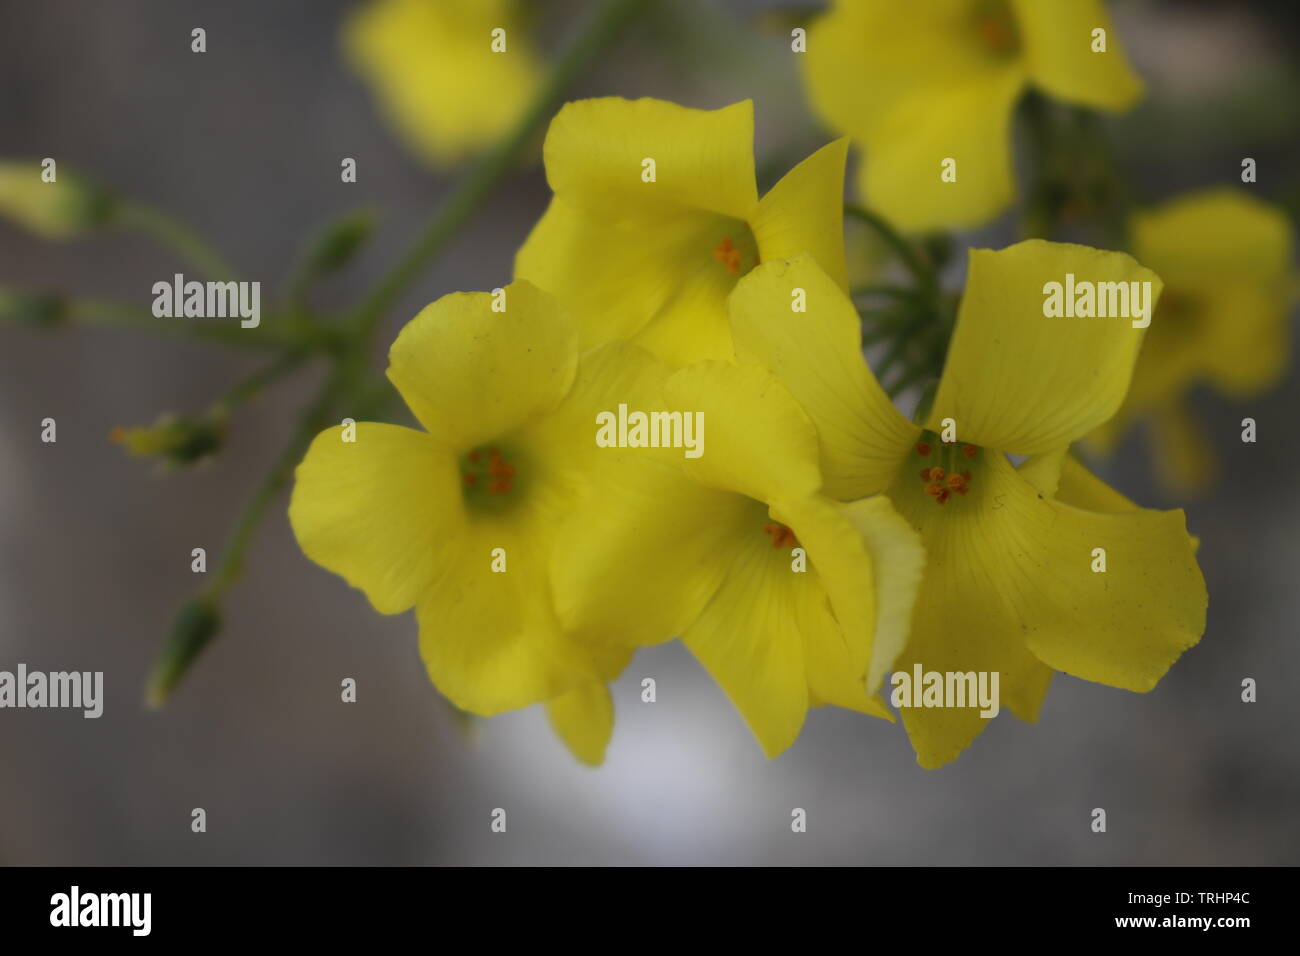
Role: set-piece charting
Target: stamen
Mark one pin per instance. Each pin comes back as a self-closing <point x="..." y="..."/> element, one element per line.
<point x="943" y="481"/>
<point x="499" y="473"/>
<point x="782" y="537"/>
<point x="727" y="253"/>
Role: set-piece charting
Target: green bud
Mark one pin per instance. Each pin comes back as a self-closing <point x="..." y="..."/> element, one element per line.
<point x="197" y="623"/>
<point x="340" y="242"/>
<point x="178" y="442"/>
<point x="61" y="208"/>
<point x="39" y="309"/>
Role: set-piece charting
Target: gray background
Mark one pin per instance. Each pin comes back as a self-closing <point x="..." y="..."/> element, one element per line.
<point x="244" y="142"/>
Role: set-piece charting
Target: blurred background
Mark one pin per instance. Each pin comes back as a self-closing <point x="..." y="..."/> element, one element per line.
<point x="244" y="143"/>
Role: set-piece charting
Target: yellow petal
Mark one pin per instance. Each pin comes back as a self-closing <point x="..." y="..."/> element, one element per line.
<point x="490" y="640"/>
<point x="1058" y="40"/>
<point x="435" y="74"/>
<point x="584" y="719"/>
<point x="868" y="560"/>
<point x="1185" y="459"/>
<point x="377" y="510"/>
<point x="646" y="552"/>
<point x="804" y="213"/>
<point x="616" y="271"/>
<point x="748" y="638"/>
<point x="1020" y="381"/>
<point x="965" y="618"/>
<point x="613" y="374"/>
<point x="1226" y="259"/>
<point x="471" y="375"/>
<point x="817" y="355"/>
<point x="757" y="440"/>
<point x="703" y="159"/>
<point x="970" y="124"/>
<point x="915" y="85"/>
<point x="692" y="325"/>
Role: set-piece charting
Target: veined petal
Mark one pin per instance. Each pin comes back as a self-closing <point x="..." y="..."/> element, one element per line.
<point x="759" y="441"/>
<point x="1020" y="381"/>
<point x="471" y="374"/>
<point x="748" y="638"/>
<point x="378" y="510"/>
<point x="868" y="559"/>
<point x="609" y="375"/>
<point x="645" y="553"/>
<point x="1057" y="41"/>
<point x="584" y="720"/>
<point x="615" y="271"/>
<point x="490" y="640"/>
<point x="804" y="213"/>
<point x="692" y="326"/>
<point x="703" y="159"/>
<point x="817" y="355"/>
<point x="969" y="123"/>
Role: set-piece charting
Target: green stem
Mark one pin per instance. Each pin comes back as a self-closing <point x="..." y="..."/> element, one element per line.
<point x="906" y="252"/>
<point x="269" y="336"/>
<point x="176" y="235"/>
<point x="248" y="388"/>
<point x="886" y="290"/>
<point x="475" y="188"/>
<point x="311" y="422"/>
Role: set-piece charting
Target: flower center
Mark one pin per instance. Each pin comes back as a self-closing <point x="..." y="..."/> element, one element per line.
<point x="485" y="471"/>
<point x="782" y="537"/>
<point x="730" y="256"/>
<point x="995" y="25"/>
<point x="945" y="473"/>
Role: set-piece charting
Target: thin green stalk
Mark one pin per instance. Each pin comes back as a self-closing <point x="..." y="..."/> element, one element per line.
<point x="176" y="235"/>
<point x="310" y="423"/>
<point x="268" y="336"/>
<point x="886" y="290"/>
<point x="478" y="185"/>
<point x="248" y="388"/>
<point x="906" y="252"/>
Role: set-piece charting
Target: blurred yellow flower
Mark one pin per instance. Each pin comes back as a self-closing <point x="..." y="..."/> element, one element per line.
<point x="434" y="70"/>
<point x="656" y="216"/>
<point x="459" y="520"/>
<point x="711" y="556"/>
<point x="61" y="209"/>
<point x="1011" y="582"/>
<point x="1227" y="259"/>
<point x="919" y="84"/>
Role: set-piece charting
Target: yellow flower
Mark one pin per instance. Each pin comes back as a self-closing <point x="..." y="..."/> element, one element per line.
<point x="711" y="556"/>
<point x="61" y="209"/>
<point x="1010" y="583"/>
<point x="1226" y="259"/>
<point x="919" y="83"/>
<point x="432" y="66"/>
<point x="656" y="216"/>
<point x="458" y="520"/>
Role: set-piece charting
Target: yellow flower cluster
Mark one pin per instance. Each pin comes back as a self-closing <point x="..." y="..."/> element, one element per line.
<point x="820" y="540"/>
